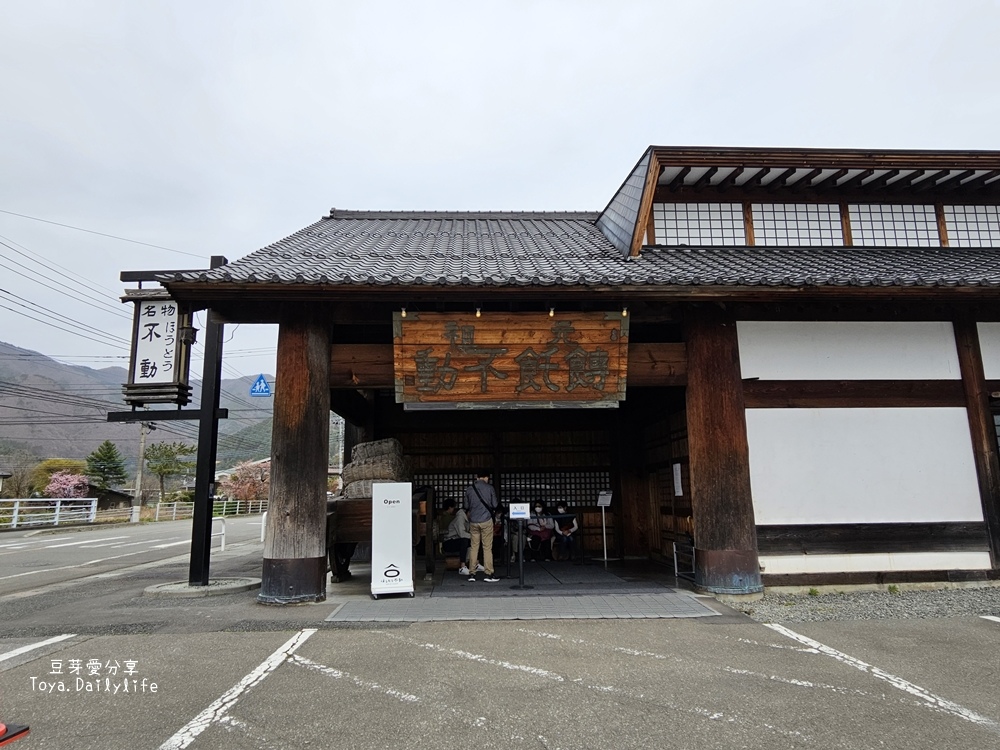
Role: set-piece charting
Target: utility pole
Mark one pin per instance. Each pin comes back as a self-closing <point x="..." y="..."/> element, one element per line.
<point x="137" y="495"/>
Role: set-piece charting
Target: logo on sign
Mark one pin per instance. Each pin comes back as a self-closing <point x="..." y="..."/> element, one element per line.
<point x="391" y="572"/>
<point x="260" y="387"/>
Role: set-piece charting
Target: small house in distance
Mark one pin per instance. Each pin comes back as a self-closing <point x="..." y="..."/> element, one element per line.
<point x="789" y="358"/>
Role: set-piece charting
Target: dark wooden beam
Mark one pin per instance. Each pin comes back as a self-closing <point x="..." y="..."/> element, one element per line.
<point x="818" y="394"/>
<point x="703" y="180"/>
<point x="355" y="366"/>
<point x="869" y="538"/>
<point x="352" y="406"/>
<point x="679" y="178"/>
<point x="660" y="365"/>
<point x="722" y="507"/>
<point x="978" y="182"/>
<point x="370" y="366"/>
<point x="803" y="182"/>
<point x="881" y="180"/>
<point x="830" y="180"/>
<point x="929" y="181"/>
<point x="294" y="568"/>
<point x="729" y="179"/>
<point x="856" y="179"/>
<point x="781" y="179"/>
<point x="905" y="181"/>
<point x="754" y="181"/>
<point x="953" y="182"/>
<point x="645" y="205"/>
<point x="981" y="428"/>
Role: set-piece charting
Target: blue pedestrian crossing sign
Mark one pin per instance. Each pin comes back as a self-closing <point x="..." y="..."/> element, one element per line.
<point x="260" y="387"/>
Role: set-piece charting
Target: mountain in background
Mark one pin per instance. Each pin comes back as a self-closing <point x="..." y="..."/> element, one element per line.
<point x="53" y="410"/>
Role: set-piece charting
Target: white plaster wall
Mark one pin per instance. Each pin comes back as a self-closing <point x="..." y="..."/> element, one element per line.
<point x="812" y="466"/>
<point x="802" y="350"/>
<point x="777" y="564"/>
<point x="989" y="343"/>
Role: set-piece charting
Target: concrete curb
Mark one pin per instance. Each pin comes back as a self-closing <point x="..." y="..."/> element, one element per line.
<point x="215" y="587"/>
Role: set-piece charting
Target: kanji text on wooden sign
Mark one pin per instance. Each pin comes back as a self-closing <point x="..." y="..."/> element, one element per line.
<point x="521" y="358"/>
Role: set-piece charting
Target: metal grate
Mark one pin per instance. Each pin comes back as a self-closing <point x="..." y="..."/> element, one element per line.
<point x="576" y="488"/>
<point x="684" y="561"/>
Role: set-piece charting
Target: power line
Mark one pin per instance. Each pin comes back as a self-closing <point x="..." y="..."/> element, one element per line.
<point x="66" y="330"/>
<point x="102" y="234"/>
<point x="111" y="309"/>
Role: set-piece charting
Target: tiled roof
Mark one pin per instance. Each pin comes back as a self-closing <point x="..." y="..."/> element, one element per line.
<point x="355" y="248"/>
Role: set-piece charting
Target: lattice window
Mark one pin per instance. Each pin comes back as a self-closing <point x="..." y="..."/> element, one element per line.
<point x="882" y="225"/>
<point x="575" y="488"/>
<point x="699" y="224"/>
<point x="972" y="226"/>
<point x="797" y="224"/>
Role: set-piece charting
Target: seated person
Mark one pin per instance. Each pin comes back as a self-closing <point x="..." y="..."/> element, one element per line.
<point x="540" y="529"/>
<point x="565" y="533"/>
<point x="456" y="540"/>
<point x="443" y="520"/>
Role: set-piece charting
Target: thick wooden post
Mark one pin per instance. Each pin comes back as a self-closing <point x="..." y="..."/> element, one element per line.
<point x="725" y="536"/>
<point x="981" y="428"/>
<point x="295" y="542"/>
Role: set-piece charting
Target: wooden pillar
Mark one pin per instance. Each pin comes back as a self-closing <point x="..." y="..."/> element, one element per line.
<point x="725" y="536"/>
<point x="295" y="542"/>
<point x="981" y="428"/>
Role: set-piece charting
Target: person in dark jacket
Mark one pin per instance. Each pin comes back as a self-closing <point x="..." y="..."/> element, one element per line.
<point x="481" y="504"/>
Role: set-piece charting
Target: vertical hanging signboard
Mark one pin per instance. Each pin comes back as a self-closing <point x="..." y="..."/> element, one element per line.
<point x="392" y="538"/>
<point x="161" y="345"/>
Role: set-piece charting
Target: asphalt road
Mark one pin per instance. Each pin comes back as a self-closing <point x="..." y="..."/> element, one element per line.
<point x="233" y="674"/>
<point x="33" y="558"/>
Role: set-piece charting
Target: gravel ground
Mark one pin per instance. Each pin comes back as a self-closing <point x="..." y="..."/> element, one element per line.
<point x="875" y="605"/>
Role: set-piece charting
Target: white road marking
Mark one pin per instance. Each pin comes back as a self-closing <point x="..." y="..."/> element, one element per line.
<point x="217" y="710"/>
<point x="899" y="683"/>
<point x="537" y="671"/>
<point x="338" y="674"/>
<point x="990" y="617"/>
<point x="778" y="646"/>
<point x="71" y="567"/>
<point x="23" y="542"/>
<point x="83" y="541"/>
<point x="172" y="544"/>
<point x="136" y="544"/>
<point x="33" y="646"/>
<point x="653" y="700"/>
<point x="72" y="582"/>
<point x="797" y="683"/>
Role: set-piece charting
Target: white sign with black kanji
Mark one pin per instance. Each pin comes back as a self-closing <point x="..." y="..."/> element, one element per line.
<point x="156" y="343"/>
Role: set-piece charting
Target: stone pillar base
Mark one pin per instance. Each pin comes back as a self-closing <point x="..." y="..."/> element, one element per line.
<point x="299" y="580"/>
<point x="727" y="571"/>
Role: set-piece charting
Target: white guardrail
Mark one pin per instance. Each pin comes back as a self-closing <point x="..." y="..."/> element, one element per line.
<point x="36" y="512"/>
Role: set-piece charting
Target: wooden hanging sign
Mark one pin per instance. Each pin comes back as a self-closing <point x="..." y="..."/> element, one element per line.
<point x="503" y="360"/>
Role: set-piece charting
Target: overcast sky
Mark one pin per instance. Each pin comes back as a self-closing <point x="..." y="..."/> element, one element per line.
<point x="215" y="128"/>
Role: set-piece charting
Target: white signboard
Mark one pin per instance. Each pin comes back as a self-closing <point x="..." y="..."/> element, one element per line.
<point x="155" y="342"/>
<point x="604" y="499"/>
<point x="392" y="538"/>
<point x="678" y="485"/>
<point x="520" y="510"/>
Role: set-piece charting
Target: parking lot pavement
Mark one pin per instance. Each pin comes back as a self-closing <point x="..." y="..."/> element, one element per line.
<point x="716" y="682"/>
<point x="232" y="674"/>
